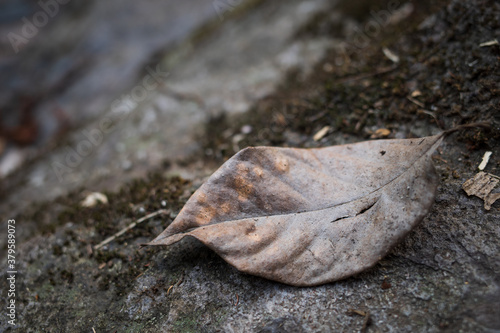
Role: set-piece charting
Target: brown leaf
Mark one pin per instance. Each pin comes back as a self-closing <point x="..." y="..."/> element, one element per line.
<point x="311" y="216"/>
<point x="482" y="186"/>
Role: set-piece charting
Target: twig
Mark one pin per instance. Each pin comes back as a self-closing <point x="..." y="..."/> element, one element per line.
<point x="367" y="75"/>
<point x="130" y="226"/>
<point x="361" y="313"/>
<point x="366" y="322"/>
<point x="176" y="284"/>
<point x="484" y="162"/>
<point x="489" y="43"/>
<point x="414" y="101"/>
<point x="432" y="114"/>
<point x="461" y="127"/>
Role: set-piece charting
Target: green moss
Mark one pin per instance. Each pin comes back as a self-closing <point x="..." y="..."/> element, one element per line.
<point x="189" y="322"/>
<point x="45" y="291"/>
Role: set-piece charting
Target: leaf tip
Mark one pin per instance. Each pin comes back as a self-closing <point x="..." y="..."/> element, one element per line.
<point x="164" y="240"/>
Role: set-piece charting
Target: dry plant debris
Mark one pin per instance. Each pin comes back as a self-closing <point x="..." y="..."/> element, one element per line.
<point x="306" y="217"/>
<point x="482" y="186"/>
<point x="489" y="43"/>
<point x="129" y="227"/>
<point x="321" y="133"/>
<point x="484" y="162"/>
<point x="390" y="55"/>
<point x="93" y="199"/>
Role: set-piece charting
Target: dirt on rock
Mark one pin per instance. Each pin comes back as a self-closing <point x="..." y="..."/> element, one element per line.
<point x="435" y="65"/>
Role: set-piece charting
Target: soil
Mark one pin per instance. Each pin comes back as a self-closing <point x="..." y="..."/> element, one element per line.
<point x="445" y="276"/>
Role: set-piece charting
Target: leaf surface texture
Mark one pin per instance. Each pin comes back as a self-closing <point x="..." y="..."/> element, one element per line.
<point x="310" y="216"/>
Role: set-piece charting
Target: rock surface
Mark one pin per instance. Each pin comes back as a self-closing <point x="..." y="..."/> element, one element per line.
<point x="443" y="277"/>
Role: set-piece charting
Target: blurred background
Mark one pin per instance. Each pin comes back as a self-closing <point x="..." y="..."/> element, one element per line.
<point x="62" y="63"/>
<point x="94" y="93"/>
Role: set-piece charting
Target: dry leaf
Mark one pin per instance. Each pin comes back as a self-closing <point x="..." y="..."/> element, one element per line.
<point x="310" y="216"/>
<point x="482" y="185"/>
<point x="381" y="133"/>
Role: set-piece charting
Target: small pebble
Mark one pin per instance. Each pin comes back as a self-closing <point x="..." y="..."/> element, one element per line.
<point x="246" y="129"/>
